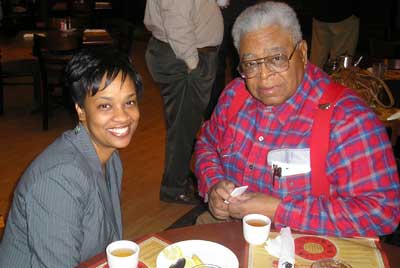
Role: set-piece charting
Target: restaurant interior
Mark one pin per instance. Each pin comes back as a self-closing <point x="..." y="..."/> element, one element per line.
<point x="30" y="118"/>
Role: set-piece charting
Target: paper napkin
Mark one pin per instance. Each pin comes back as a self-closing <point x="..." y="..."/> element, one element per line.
<point x="283" y="248"/>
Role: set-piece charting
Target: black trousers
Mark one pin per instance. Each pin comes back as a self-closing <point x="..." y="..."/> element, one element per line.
<point x="185" y="97"/>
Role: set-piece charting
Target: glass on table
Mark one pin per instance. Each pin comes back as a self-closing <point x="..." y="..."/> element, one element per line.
<point x="330" y="263"/>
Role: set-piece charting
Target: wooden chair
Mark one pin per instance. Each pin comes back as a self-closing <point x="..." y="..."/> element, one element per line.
<point x="19" y="73"/>
<point x="53" y="52"/>
<point x="17" y="15"/>
<point x="123" y="35"/>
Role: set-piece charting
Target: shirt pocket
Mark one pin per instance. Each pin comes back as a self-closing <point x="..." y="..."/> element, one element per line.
<point x="298" y="184"/>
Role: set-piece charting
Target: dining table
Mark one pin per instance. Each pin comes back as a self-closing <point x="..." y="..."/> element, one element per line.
<point x="230" y="235"/>
<point x="88" y="37"/>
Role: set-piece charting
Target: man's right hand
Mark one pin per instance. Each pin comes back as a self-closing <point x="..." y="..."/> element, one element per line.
<point x="216" y="197"/>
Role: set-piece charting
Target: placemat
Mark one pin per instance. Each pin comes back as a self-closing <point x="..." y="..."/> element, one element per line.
<point x="149" y="250"/>
<point x="358" y="252"/>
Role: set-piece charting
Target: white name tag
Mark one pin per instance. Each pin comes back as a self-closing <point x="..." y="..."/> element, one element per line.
<point x="291" y="161"/>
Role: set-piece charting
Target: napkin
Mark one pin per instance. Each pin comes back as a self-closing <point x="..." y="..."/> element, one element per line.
<point x="282" y="247"/>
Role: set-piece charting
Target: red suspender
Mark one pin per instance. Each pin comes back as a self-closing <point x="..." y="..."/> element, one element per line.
<point x="319" y="139"/>
<point x="239" y="99"/>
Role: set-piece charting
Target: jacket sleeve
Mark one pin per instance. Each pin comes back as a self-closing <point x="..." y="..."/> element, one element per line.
<point x="55" y="207"/>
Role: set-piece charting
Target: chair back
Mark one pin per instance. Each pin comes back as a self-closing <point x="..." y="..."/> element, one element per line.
<point x="19" y="72"/>
<point x="124" y="35"/>
<point x="53" y="52"/>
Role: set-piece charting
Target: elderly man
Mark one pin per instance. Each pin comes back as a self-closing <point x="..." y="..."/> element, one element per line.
<point x="261" y="137"/>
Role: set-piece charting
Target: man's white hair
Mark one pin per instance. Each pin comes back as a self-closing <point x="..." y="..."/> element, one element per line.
<point x="263" y="15"/>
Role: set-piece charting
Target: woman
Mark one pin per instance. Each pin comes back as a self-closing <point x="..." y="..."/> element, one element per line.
<point x="66" y="207"/>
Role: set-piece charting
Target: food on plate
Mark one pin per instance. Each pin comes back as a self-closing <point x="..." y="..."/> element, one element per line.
<point x="173" y="253"/>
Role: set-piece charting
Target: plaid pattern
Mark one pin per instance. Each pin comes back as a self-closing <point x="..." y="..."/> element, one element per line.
<point x="364" y="183"/>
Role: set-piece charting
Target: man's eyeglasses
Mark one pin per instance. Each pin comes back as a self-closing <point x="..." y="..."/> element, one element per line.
<point x="276" y="63"/>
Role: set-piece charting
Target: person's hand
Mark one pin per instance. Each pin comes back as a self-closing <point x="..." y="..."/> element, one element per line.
<point x="249" y="203"/>
<point x="216" y="197"/>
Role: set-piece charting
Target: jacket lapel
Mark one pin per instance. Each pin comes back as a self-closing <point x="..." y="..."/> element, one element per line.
<point x="105" y="189"/>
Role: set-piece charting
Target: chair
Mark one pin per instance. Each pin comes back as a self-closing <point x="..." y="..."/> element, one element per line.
<point x="17" y="15"/>
<point x="53" y="52"/>
<point x="123" y="34"/>
<point x="16" y="73"/>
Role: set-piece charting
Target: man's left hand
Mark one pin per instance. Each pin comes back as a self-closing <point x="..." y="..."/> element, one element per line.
<point x="249" y="203"/>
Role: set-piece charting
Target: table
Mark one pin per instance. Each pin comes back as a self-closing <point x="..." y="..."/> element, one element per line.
<point x="90" y="37"/>
<point x="230" y="235"/>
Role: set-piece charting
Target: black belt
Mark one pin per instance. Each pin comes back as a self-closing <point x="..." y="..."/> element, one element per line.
<point x="207" y="49"/>
<point x="200" y="49"/>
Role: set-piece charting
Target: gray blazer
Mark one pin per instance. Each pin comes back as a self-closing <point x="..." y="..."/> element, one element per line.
<point x="65" y="209"/>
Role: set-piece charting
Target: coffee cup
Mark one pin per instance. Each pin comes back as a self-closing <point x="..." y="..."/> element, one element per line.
<point x="123" y="253"/>
<point x="256" y="228"/>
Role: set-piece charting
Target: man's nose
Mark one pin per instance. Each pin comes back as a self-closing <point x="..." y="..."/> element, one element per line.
<point x="265" y="70"/>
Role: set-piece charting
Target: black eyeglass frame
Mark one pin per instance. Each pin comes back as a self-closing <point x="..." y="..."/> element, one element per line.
<point x="266" y="61"/>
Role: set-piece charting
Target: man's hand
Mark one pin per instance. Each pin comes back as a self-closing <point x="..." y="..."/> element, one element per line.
<point x="253" y="203"/>
<point x="216" y="197"/>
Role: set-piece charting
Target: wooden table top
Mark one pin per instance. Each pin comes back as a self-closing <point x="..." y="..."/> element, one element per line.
<point x="229" y="235"/>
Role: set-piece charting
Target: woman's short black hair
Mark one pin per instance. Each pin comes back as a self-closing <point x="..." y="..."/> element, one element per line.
<point x="88" y="67"/>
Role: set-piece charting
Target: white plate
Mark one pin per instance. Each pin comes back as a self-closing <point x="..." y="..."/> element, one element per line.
<point x="207" y="251"/>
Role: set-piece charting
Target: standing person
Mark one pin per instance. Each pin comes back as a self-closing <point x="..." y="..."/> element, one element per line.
<point x="335" y="29"/>
<point x="66" y="206"/>
<point x="230" y="11"/>
<point x="182" y="59"/>
<point x="260" y="135"/>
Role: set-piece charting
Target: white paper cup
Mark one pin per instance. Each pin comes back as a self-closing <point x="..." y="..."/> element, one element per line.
<point x="256" y="228"/>
<point x="123" y="253"/>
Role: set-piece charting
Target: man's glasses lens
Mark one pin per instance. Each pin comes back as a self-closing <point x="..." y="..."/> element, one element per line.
<point x="276" y="63"/>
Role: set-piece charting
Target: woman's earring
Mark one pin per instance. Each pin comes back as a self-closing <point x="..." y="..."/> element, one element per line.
<point x="77" y="129"/>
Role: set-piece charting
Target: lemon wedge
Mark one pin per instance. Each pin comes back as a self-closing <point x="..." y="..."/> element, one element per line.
<point x="196" y="259"/>
<point x="189" y="262"/>
<point x="173" y="253"/>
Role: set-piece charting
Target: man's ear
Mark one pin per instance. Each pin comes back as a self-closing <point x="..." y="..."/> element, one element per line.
<point x="81" y="113"/>
<point x="303" y="48"/>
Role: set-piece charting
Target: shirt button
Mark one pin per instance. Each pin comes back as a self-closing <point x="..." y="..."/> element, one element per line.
<point x="251" y="166"/>
<point x="261" y="138"/>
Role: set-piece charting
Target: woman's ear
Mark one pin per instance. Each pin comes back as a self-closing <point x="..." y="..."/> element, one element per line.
<point x="81" y="113"/>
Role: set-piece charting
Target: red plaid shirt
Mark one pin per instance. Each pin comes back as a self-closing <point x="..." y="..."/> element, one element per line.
<point x="361" y="169"/>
